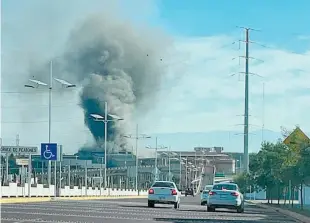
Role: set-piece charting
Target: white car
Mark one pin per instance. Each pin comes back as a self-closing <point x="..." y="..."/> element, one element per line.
<point x="164" y="192"/>
<point x="225" y="195"/>
<point x="205" y="194"/>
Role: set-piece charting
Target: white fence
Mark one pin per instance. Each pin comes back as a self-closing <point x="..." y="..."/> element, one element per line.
<point x="306" y="195"/>
<point x="261" y="195"/>
<point x="39" y="191"/>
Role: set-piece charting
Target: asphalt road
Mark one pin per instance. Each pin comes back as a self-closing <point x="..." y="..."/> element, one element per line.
<point x="131" y="211"/>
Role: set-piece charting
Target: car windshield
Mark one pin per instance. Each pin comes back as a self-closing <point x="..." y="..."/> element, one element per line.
<point x="163" y="184"/>
<point x="225" y="187"/>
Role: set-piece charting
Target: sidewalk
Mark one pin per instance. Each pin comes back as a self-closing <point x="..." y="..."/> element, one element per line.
<point x="285" y="211"/>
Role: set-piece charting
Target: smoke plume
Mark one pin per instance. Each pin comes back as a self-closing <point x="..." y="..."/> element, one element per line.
<point x="117" y="63"/>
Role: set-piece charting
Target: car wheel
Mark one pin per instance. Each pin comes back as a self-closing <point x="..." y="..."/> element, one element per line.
<point x="240" y="209"/>
<point x="210" y="209"/>
<point x="176" y="205"/>
<point x="150" y="204"/>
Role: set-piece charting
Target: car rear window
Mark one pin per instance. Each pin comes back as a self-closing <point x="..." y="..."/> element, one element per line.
<point x="208" y="187"/>
<point x="225" y="187"/>
<point x="163" y="184"/>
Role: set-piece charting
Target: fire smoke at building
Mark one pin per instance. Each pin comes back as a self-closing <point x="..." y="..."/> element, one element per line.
<point x="114" y="62"/>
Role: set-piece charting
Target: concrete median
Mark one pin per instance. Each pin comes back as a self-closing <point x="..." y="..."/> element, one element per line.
<point x="13" y="200"/>
<point x="46" y="199"/>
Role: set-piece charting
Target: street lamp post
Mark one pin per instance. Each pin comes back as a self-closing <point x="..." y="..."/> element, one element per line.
<point x="137" y="137"/>
<point x="36" y="84"/>
<point x="180" y="177"/>
<point x="186" y="168"/>
<point x="156" y="156"/>
<point x="100" y="173"/>
<point x="105" y="120"/>
<point x="169" y="172"/>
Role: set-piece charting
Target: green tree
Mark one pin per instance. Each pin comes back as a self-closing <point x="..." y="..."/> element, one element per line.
<point x="245" y="182"/>
<point x="266" y="167"/>
<point x="276" y="166"/>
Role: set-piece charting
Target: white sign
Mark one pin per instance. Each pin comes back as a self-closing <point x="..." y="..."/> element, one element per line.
<point x="22" y="162"/>
<point x="19" y="149"/>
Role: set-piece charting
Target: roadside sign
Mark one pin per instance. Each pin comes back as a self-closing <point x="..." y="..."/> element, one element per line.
<point x="49" y="151"/>
<point x="22" y="150"/>
<point x="297" y="137"/>
<point x="22" y="162"/>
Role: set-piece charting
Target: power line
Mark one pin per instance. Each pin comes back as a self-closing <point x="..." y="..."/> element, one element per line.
<point x="263" y="115"/>
<point x="38" y="121"/>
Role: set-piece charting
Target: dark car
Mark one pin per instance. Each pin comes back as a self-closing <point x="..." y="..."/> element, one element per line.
<point x="189" y="191"/>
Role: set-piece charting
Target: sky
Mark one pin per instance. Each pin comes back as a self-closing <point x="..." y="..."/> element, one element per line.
<point x="203" y="91"/>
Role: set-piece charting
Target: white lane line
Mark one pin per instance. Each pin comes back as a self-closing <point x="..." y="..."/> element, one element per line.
<point x="139" y="206"/>
<point x="144" y="218"/>
<point x="105" y="209"/>
<point x="154" y="212"/>
<point x="42" y="220"/>
<point x="81" y="216"/>
<point x="108" y="208"/>
<point x="115" y="212"/>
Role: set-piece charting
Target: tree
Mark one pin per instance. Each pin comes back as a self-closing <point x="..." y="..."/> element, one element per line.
<point x="266" y="167"/>
<point x="303" y="169"/>
<point x="245" y="181"/>
<point x="285" y="132"/>
<point x="278" y="166"/>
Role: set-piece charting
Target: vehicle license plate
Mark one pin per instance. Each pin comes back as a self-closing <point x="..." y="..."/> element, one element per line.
<point x="223" y="196"/>
<point x="162" y="198"/>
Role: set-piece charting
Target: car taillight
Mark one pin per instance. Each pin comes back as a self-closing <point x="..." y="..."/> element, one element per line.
<point x="212" y="193"/>
<point x="236" y="194"/>
<point x="174" y="192"/>
<point x="151" y="191"/>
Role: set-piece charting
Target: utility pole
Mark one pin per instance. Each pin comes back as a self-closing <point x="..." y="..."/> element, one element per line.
<point x="137" y="136"/>
<point x="49" y="163"/>
<point x="105" y="120"/>
<point x="17" y="140"/>
<point x="246" y="103"/>
<point x="263" y="115"/>
<point x="169" y="170"/>
<point x="105" y="143"/>
<point x="246" y="97"/>
<point x="156" y="148"/>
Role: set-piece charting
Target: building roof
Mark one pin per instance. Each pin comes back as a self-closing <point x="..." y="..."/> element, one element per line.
<point x="197" y="154"/>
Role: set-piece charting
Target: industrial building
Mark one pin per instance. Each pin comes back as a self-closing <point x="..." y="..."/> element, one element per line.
<point x="181" y="166"/>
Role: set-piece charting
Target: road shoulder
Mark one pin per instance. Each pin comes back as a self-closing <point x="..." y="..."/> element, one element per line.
<point x="297" y="216"/>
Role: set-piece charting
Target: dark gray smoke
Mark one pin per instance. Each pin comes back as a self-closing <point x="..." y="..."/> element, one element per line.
<point x="117" y="63"/>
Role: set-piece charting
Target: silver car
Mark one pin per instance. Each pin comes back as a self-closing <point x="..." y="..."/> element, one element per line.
<point x="205" y="194"/>
<point x="225" y="195"/>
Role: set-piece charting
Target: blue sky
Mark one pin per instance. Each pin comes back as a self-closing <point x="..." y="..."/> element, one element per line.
<point x="199" y="63"/>
<point x="279" y="20"/>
